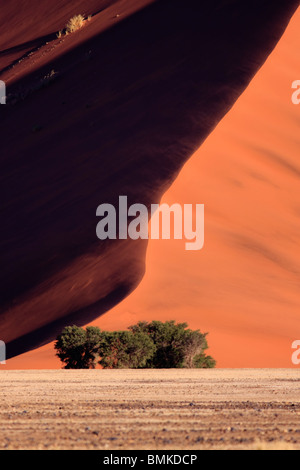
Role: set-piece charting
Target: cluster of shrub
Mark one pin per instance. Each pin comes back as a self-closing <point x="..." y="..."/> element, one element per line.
<point x="154" y="345"/>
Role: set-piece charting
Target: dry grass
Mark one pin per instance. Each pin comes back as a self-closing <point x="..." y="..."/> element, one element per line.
<point x="74" y="24"/>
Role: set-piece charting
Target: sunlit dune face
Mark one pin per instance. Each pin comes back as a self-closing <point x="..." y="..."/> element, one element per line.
<point x="243" y="287"/>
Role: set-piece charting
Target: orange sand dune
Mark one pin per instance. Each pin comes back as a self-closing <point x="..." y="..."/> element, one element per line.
<point x="243" y="287"/>
<point x="115" y="108"/>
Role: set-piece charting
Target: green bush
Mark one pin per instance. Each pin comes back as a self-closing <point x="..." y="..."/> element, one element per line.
<point x="78" y="348"/>
<point x="125" y="350"/>
<point x="176" y="345"/>
<point x="154" y="345"/>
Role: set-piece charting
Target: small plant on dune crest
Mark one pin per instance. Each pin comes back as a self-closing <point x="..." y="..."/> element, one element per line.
<point x="75" y="23"/>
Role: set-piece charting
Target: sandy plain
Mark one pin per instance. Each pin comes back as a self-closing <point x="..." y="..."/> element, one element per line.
<point x="150" y="409"/>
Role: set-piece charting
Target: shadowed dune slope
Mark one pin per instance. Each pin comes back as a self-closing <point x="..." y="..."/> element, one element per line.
<point x="125" y="106"/>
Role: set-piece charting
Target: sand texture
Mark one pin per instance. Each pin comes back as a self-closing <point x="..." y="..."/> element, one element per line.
<point x="127" y="409"/>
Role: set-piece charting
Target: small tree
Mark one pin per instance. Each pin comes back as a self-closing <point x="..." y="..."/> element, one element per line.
<point x="125" y="350"/>
<point x="176" y="346"/>
<point x="201" y="361"/>
<point x="78" y="348"/>
<point x="92" y="343"/>
<point x="194" y="345"/>
<point x="166" y="337"/>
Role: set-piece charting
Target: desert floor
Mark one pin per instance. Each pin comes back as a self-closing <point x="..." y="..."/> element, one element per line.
<point x="150" y="409"/>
